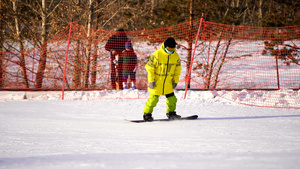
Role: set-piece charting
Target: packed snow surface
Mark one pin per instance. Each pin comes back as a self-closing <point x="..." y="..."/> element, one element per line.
<point x="89" y="130"/>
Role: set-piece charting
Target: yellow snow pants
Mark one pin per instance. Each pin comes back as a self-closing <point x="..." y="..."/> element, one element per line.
<point x="153" y="100"/>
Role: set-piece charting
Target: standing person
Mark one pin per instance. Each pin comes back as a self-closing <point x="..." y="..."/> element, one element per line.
<point x="115" y="45"/>
<point x="163" y="69"/>
<point x="129" y="65"/>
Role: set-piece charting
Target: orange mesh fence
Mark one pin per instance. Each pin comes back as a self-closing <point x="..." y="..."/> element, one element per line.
<point x="240" y="57"/>
<point x="95" y="59"/>
<point x="254" y="59"/>
<point x="226" y="58"/>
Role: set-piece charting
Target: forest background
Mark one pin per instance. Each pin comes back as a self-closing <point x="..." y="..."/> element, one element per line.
<point x="26" y="24"/>
<point x="36" y="21"/>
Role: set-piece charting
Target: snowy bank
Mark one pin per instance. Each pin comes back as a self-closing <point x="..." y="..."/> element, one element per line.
<point x="283" y="98"/>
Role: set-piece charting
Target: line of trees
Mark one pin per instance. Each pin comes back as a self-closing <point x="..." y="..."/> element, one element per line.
<point x="39" y="20"/>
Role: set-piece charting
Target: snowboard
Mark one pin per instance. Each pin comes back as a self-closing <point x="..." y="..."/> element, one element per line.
<point x="192" y="117"/>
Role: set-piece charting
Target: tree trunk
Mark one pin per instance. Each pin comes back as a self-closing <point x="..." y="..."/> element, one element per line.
<point x="190" y="44"/>
<point x="211" y="66"/>
<point x="152" y="6"/>
<point x="228" y="7"/>
<point x="260" y="13"/>
<point x="1" y="44"/>
<point x="95" y="58"/>
<point x="88" y="48"/>
<point x="76" y="83"/>
<point x="43" y="54"/>
<point x="270" y="6"/>
<point x="245" y="12"/>
<point x="94" y="66"/>
<point x="87" y="63"/>
<point x="77" y="67"/>
<point x="221" y="64"/>
<point x="19" y="39"/>
<point x="237" y="3"/>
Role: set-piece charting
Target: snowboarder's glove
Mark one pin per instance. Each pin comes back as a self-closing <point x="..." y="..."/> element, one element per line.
<point x="113" y="52"/>
<point x="174" y="85"/>
<point x="152" y="85"/>
<point x="116" y="60"/>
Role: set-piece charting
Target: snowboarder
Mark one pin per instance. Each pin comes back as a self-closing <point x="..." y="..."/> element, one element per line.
<point x="129" y="65"/>
<point x="163" y="69"/>
<point x="115" y="45"/>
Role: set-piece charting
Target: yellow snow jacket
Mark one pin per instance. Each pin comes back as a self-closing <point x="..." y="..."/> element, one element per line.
<point x="164" y="69"/>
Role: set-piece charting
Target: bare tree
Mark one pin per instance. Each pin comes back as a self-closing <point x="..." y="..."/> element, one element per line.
<point x="223" y="57"/>
<point x="95" y="56"/>
<point x="93" y="8"/>
<point x="211" y="65"/>
<point x="190" y="42"/>
<point x="44" y="11"/>
<point x="20" y="42"/>
<point x="88" y="49"/>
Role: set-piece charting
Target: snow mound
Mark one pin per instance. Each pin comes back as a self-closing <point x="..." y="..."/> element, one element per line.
<point x="283" y="98"/>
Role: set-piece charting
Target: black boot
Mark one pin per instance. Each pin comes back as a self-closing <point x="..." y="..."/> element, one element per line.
<point x="173" y="116"/>
<point x="148" y="117"/>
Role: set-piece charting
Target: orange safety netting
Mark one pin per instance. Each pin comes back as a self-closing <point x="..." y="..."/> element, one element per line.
<point x="226" y="57"/>
<point x="254" y="59"/>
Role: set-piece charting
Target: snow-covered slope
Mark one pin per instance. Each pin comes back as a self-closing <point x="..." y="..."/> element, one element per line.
<point x="88" y="130"/>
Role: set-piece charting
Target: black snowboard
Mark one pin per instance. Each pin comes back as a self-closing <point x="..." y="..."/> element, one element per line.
<point x="193" y="117"/>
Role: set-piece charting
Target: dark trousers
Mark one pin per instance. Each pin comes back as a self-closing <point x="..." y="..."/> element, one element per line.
<point x="116" y="74"/>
